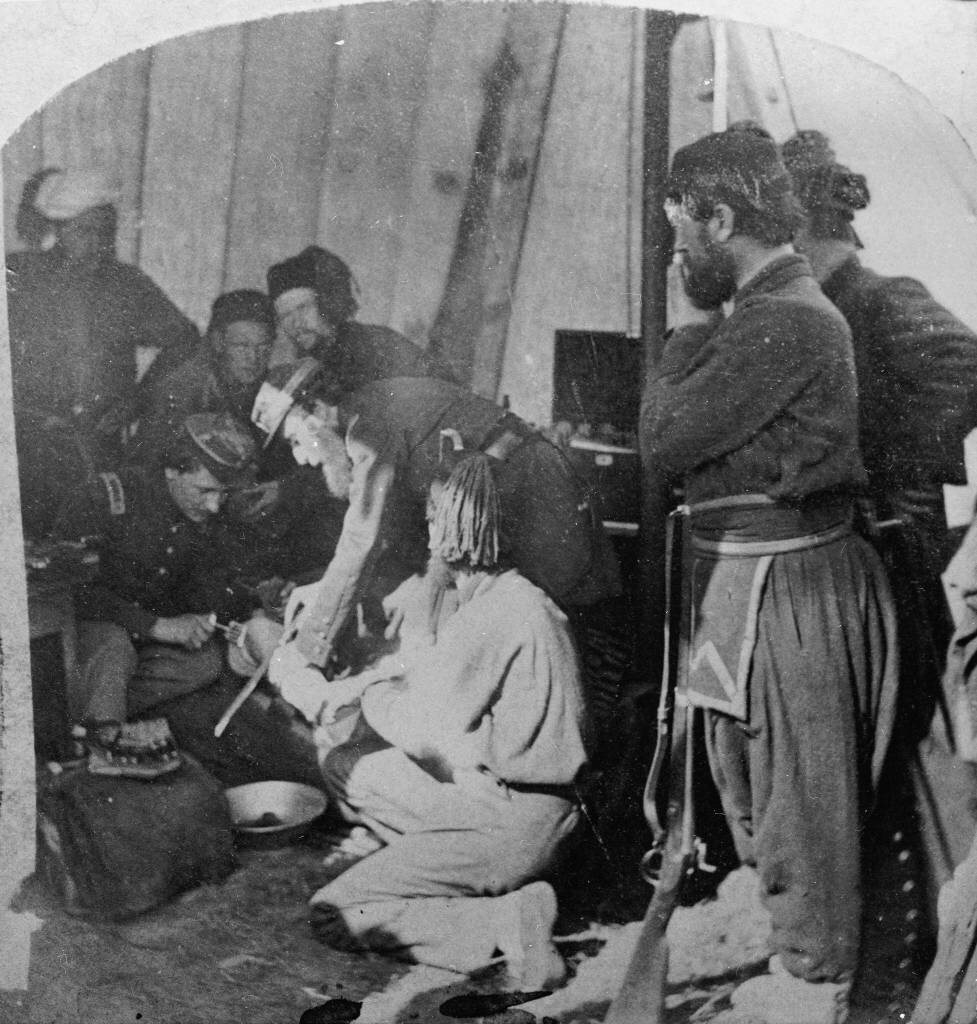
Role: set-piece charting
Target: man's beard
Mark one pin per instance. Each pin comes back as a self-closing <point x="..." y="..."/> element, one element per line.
<point x="709" y="280"/>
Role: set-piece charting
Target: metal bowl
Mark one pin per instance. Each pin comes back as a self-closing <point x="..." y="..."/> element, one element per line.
<point x="274" y="812"/>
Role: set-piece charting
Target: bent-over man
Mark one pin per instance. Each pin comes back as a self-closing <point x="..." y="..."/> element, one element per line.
<point x="381" y="447"/>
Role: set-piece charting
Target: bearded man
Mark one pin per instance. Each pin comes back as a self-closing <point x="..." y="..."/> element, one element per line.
<point x="793" y="635"/>
<point x="315" y="299"/>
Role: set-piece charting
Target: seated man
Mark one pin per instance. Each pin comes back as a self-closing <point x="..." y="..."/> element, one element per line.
<point x="464" y="766"/>
<point x="287" y="520"/>
<point x="315" y="302"/>
<point x="78" y="314"/>
<point x="223" y="375"/>
<point x="147" y="621"/>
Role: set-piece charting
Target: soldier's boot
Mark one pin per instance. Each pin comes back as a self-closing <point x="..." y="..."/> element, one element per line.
<point x="136" y="750"/>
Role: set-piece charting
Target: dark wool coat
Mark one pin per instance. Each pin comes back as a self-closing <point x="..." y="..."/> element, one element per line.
<point x="764" y="403"/>
<point x="154" y="562"/>
<point x="917" y="378"/>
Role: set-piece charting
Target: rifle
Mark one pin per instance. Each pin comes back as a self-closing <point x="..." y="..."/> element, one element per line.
<point x="675" y="851"/>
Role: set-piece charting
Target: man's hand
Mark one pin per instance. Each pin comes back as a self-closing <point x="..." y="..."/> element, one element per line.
<point x="303" y="686"/>
<point x="252" y="503"/>
<point x="190" y="631"/>
<point x="286" y="663"/>
<point x="682" y="312"/>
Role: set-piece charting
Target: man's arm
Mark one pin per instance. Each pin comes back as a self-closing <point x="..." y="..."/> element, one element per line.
<point x="374" y="458"/>
<point x="710" y="403"/>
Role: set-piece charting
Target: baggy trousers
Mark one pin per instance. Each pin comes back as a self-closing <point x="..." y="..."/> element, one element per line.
<point x="119" y="678"/>
<point x="428" y="896"/>
<point x="796" y="778"/>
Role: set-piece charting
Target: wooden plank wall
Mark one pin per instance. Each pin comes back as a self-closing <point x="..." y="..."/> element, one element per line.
<point x="576" y="261"/>
<point x="356" y="128"/>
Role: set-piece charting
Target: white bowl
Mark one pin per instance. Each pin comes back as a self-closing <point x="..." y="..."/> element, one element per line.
<point x="292" y="804"/>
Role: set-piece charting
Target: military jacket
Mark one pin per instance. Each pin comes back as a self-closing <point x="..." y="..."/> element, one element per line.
<point x="154" y="561"/>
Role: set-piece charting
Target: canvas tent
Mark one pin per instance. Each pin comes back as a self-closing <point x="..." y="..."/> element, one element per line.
<point x="498" y="149"/>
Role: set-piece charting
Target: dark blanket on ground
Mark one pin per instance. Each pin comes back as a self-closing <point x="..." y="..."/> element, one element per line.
<point x="264" y="740"/>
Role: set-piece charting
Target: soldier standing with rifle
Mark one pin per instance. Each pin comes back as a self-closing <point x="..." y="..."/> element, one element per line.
<point x="791" y="637"/>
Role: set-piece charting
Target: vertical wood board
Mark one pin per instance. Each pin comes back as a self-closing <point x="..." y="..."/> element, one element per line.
<point x="757" y="89"/>
<point x="536" y="37"/>
<point x="194" y="105"/>
<point x="17" y="770"/>
<point x="691" y="85"/>
<point x="574" y="269"/>
<point x="472" y="322"/>
<point x="464" y="42"/>
<point x="369" y="161"/>
<point x="287" y="105"/>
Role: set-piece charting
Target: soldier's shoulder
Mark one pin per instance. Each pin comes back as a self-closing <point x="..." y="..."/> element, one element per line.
<point x="120" y="493"/>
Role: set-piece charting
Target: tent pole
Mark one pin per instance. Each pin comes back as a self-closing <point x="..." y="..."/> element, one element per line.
<point x="656" y="248"/>
<point x="17" y="772"/>
<point x="660" y="28"/>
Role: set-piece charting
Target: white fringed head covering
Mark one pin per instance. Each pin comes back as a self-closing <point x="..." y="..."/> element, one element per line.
<point x="466" y="525"/>
<point x="64" y="195"/>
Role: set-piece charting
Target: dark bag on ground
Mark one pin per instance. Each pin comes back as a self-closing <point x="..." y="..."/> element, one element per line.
<point x="114" y="847"/>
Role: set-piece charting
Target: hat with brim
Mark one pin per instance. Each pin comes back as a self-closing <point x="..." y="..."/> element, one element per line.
<point x="277" y="395"/>
<point x="224" y="445"/>
<point x="244" y="305"/>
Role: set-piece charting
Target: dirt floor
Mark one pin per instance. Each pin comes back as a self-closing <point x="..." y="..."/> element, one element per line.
<point x="242" y="953"/>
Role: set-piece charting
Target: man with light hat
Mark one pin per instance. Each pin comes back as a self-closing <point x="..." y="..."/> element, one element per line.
<point x="147" y="620"/>
<point x="78" y="314"/>
<point x="314" y="296"/>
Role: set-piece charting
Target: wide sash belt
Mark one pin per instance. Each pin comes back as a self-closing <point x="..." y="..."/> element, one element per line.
<point x="757" y="548"/>
<point x="734" y="541"/>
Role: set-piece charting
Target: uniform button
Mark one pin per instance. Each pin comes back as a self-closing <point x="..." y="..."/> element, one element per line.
<point x="169" y="550"/>
<point x="162" y="570"/>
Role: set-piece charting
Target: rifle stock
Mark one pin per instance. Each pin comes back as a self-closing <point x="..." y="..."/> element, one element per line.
<point x="641" y="999"/>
